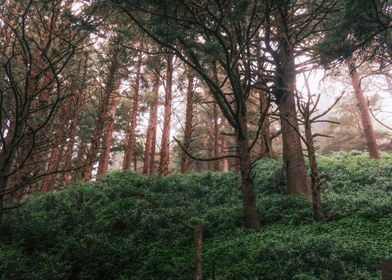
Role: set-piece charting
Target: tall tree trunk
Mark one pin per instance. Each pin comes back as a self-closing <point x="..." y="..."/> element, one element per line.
<point x="297" y="178"/>
<point x="107" y="139"/>
<point x="224" y="163"/>
<point x="185" y="161"/>
<point x="73" y="130"/>
<point x="149" y="153"/>
<point x="247" y="188"/>
<point x="56" y="151"/>
<point x="78" y="100"/>
<point x="198" y="234"/>
<point x="214" y="134"/>
<point x="165" y="143"/>
<point x="314" y="176"/>
<point x="265" y="134"/>
<point x="131" y="141"/>
<point x="6" y="159"/>
<point x="363" y="107"/>
<point x="111" y="85"/>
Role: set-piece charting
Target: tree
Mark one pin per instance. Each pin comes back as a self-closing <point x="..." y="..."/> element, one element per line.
<point x="200" y="34"/>
<point x="188" y="121"/>
<point x="106" y="99"/>
<point x="287" y="34"/>
<point x="307" y="107"/>
<point x="153" y="98"/>
<point x="41" y="40"/>
<point x="131" y="138"/>
<point x="165" y="143"/>
<point x="363" y="108"/>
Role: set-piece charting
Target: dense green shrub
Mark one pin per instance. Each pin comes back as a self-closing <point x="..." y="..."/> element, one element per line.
<point x="127" y="226"/>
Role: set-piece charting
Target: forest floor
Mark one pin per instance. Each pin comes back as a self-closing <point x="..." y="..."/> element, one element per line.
<point x="127" y="226"/>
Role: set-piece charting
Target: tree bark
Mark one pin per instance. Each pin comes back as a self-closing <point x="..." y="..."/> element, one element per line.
<point x="214" y="139"/>
<point x="77" y="100"/>
<point x="73" y="130"/>
<point x="55" y="153"/>
<point x="297" y="179"/>
<point x="149" y="153"/>
<point x="132" y="126"/>
<point x="108" y="137"/>
<point x="363" y="107"/>
<point x="185" y="161"/>
<point x="314" y="176"/>
<point x="247" y="188"/>
<point x="224" y="164"/>
<point x="165" y="143"/>
<point x="265" y="135"/>
<point x="6" y="159"/>
<point x="198" y="234"/>
<point x="111" y="84"/>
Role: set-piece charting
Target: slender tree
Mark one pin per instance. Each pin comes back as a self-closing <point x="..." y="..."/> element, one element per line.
<point x="149" y="152"/>
<point x="200" y="35"/>
<point x="165" y="143"/>
<point x="131" y="138"/>
<point x="185" y="161"/>
<point x="103" y="117"/>
<point x="363" y="108"/>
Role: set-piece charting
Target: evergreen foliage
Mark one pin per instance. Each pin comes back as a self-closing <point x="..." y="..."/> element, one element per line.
<point x="127" y="226"/>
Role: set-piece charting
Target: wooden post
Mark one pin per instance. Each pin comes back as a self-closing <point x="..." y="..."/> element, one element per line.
<point x="386" y="270"/>
<point x="198" y="252"/>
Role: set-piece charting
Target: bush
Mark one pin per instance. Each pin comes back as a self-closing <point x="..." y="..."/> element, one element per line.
<point x="128" y="226"/>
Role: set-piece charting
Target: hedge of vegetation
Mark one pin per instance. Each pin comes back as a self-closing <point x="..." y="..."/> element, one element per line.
<point x="126" y="226"/>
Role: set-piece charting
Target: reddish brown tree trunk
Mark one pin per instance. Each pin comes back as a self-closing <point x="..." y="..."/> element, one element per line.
<point x="55" y="153"/>
<point x="214" y="139"/>
<point x="78" y="100"/>
<point x="107" y="139"/>
<point x="165" y="143"/>
<point x="73" y="130"/>
<point x="265" y="134"/>
<point x="198" y="234"/>
<point x="297" y="178"/>
<point x="224" y="163"/>
<point x="247" y="188"/>
<point x="92" y="150"/>
<point x="363" y="107"/>
<point x="110" y="85"/>
<point x="130" y="147"/>
<point x="149" y="153"/>
<point x="185" y="161"/>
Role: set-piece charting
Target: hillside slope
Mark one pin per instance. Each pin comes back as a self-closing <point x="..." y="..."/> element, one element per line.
<point x="127" y="226"/>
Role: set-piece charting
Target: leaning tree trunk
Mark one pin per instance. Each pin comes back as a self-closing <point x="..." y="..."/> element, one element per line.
<point x="130" y="147"/>
<point x="185" y="162"/>
<point x="165" y="144"/>
<point x="149" y="153"/>
<point x="363" y="107"/>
